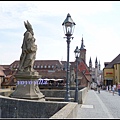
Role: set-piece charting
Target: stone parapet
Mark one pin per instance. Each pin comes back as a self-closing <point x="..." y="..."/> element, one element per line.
<point x="68" y="111"/>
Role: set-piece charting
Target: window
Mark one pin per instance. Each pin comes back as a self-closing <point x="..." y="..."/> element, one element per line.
<point x="52" y="66"/>
<point x="38" y="66"/>
<point x="48" y="66"/>
<point x="45" y="66"/>
<point x="14" y="66"/>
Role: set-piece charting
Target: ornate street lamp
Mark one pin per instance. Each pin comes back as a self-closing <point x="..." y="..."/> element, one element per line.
<point x="68" y="26"/>
<point x="77" y="53"/>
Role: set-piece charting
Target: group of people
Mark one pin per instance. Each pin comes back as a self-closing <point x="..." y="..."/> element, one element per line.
<point x="114" y="88"/>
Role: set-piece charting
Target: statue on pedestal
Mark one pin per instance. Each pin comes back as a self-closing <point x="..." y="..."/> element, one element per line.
<point x="26" y="73"/>
<point x="29" y="49"/>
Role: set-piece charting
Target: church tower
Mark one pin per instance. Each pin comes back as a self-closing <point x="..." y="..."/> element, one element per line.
<point x="90" y="64"/>
<point x="99" y="66"/>
<point x="96" y="70"/>
<point x="96" y="63"/>
<point x="83" y="51"/>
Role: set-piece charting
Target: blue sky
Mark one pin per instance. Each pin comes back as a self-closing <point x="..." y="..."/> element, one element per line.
<point x="98" y="22"/>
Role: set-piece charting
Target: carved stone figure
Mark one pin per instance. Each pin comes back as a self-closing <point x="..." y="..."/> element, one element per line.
<point x="26" y="74"/>
<point x="29" y="49"/>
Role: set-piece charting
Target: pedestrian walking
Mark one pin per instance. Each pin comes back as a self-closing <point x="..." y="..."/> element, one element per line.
<point x="107" y="88"/>
<point x="113" y="89"/>
<point x="99" y="87"/>
<point x="110" y="88"/>
<point x="118" y="88"/>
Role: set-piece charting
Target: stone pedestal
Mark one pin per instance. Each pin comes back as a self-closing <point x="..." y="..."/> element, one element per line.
<point x="27" y="86"/>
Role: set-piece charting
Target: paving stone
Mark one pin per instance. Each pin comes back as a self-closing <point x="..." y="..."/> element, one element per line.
<point x="100" y="105"/>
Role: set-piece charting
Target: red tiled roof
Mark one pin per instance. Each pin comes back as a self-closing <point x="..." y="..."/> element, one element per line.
<point x="52" y="74"/>
<point x="1" y="68"/>
<point x="5" y="66"/>
<point x="82" y="67"/>
<point x="41" y="62"/>
<point x="8" y="76"/>
<point x="82" y="75"/>
<point x="7" y="71"/>
<point x="63" y="62"/>
<point x="10" y="81"/>
<point x="2" y="73"/>
<point x="114" y="61"/>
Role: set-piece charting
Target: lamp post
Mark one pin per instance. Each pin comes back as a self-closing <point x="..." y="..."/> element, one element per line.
<point x="68" y="26"/>
<point x="77" y="53"/>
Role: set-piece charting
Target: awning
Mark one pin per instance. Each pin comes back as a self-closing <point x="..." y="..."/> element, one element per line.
<point x="46" y="79"/>
<point x="108" y="79"/>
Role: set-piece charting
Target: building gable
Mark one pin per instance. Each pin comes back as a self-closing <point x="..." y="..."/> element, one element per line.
<point x="115" y="60"/>
<point x="83" y="68"/>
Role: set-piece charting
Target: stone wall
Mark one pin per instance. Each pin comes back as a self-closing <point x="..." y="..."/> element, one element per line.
<point x="19" y="108"/>
<point x="61" y="94"/>
<point x="68" y="111"/>
<point x="22" y="108"/>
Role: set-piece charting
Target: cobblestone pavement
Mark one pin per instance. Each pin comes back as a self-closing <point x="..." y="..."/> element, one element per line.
<point x="100" y="105"/>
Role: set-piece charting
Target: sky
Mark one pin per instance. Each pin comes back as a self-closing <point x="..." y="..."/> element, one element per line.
<point x="98" y="22"/>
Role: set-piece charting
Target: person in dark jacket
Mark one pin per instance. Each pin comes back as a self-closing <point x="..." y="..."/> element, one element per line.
<point x="98" y="87"/>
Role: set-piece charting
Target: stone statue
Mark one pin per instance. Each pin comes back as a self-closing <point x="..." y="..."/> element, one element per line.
<point x="29" y="49"/>
<point x="26" y="76"/>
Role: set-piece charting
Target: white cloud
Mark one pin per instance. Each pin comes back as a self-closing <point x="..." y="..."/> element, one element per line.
<point x="100" y="35"/>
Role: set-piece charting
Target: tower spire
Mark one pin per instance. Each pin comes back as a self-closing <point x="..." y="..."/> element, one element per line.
<point x="99" y="64"/>
<point x="96" y="63"/>
<point x="82" y="44"/>
<point x="96" y="60"/>
<point x="90" y="64"/>
<point x="82" y="51"/>
<point x="90" y="61"/>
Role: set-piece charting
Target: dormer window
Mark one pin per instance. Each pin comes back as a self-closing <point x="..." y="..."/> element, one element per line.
<point x="52" y="66"/>
<point x="45" y="66"/>
<point x="38" y="66"/>
<point x="48" y="66"/>
<point x="14" y="66"/>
